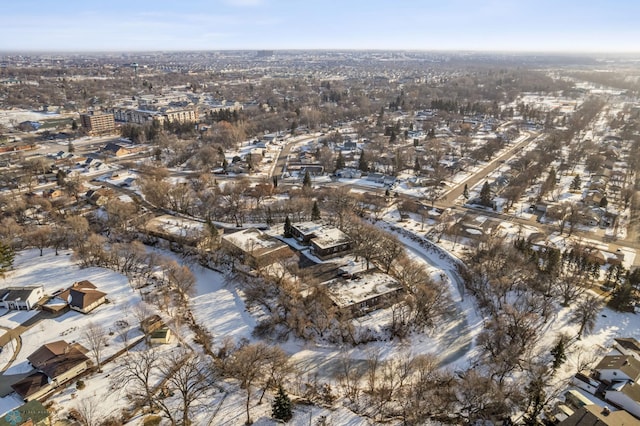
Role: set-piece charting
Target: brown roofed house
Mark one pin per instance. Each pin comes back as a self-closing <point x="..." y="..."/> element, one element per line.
<point x="83" y="296"/>
<point x="59" y="360"/>
<point x="33" y="386"/>
<point x="594" y="415"/>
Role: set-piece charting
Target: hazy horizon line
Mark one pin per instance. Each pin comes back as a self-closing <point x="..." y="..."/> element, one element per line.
<point x="332" y="49"/>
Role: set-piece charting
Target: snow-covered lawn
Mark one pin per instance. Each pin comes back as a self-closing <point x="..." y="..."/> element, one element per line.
<point x="55" y="273"/>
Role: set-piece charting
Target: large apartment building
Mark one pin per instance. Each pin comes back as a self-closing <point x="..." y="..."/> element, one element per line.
<point x="98" y="123"/>
<point x="144" y="116"/>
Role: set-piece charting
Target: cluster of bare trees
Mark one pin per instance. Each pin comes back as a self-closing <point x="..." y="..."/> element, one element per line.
<point x="175" y="384"/>
<point x="518" y="306"/>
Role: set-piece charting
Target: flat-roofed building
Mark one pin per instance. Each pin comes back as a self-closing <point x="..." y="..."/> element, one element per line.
<point x="254" y="247"/>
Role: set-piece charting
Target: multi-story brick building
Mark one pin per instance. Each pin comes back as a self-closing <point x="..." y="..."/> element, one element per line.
<point x="98" y="123"/>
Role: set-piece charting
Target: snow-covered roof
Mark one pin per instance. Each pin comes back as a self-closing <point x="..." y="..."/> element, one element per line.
<point x="349" y="292"/>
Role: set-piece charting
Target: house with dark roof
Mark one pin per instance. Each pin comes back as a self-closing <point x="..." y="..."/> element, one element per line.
<point x="33" y="387"/>
<point x="115" y="149"/>
<point x="60" y="361"/>
<point x="618" y="368"/>
<point x="21" y="298"/>
<point x="83" y="296"/>
<point x="55" y="363"/>
<point x="594" y="415"/>
<point x="627" y="346"/>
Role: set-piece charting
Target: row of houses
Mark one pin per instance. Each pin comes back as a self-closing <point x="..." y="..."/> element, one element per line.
<point x="616" y="380"/>
<point x="82" y="296"/>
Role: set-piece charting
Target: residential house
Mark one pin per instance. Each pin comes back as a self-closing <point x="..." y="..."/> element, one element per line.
<point x="33" y="387"/>
<point x="350" y="145"/>
<point x="627" y="346"/>
<point x="21" y="298"/>
<point x="595" y="415"/>
<point x="618" y="368"/>
<point x="359" y="295"/>
<point x="115" y="149"/>
<point x="52" y="193"/>
<point x="254" y="247"/>
<point x="33" y="413"/>
<point x="626" y="396"/>
<point x="99" y="197"/>
<point x="585" y="382"/>
<point x="329" y="242"/>
<point x="348" y="173"/>
<point x="83" y="296"/>
<point x="56" y="363"/>
<point x="326" y="241"/>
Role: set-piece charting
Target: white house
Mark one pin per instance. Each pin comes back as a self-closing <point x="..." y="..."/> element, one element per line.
<point x="625" y="396"/>
<point x="627" y="346"/>
<point x="618" y="368"/>
<point x="20" y="298"/>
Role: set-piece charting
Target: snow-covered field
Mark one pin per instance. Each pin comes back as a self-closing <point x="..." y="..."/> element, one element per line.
<point x="54" y="273"/>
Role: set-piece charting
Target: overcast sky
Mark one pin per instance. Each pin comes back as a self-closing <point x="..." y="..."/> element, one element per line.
<point x="513" y="25"/>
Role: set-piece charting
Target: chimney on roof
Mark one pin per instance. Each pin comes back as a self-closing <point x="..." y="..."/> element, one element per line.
<point x="605" y="411"/>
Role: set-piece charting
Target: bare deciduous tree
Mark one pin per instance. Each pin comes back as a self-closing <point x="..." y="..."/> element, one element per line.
<point x="586" y="313"/>
<point x="88" y="412"/>
<point x="96" y="339"/>
<point x="191" y="377"/>
<point x="248" y="366"/>
<point x="136" y="376"/>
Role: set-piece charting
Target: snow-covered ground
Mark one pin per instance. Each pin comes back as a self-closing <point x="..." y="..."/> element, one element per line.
<point x="219" y="306"/>
<point x="54" y="273"/>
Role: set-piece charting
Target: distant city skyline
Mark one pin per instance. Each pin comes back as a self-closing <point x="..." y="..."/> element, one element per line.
<point x="569" y="26"/>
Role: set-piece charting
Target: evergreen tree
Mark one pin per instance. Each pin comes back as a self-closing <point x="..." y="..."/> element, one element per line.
<point x="363" y="165"/>
<point x="604" y="202"/>
<point x="281" y="409"/>
<point x="340" y="161"/>
<point x="315" y="211"/>
<point x="287" y="228"/>
<point x="61" y="177"/>
<point x="465" y="192"/>
<point x="485" y="194"/>
<point x="416" y="165"/>
<point x="7" y="255"/>
<point x="275" y="181"/>
<point x="74" y="125"/>
<point x="71" y="148"/>
<point x="558" y="352"/>
<point x="576" y="184"/>
<point x="269" y="218"/>
<point x="393" y="137"/>
<point x="306" y="181"/>
<point x="622" y="298"/>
